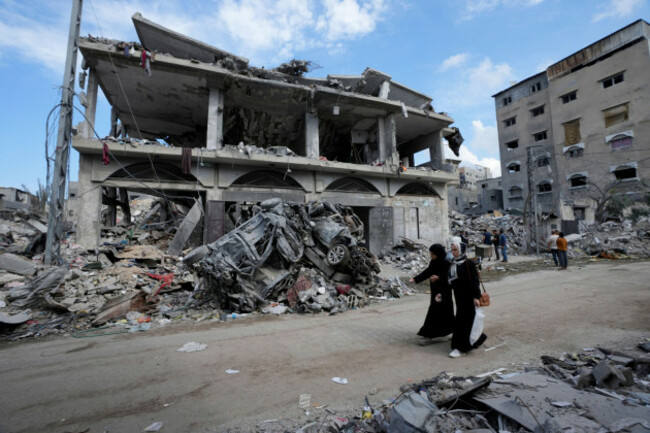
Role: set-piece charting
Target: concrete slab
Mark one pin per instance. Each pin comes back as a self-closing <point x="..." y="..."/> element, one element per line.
<point x="17" y="264"/>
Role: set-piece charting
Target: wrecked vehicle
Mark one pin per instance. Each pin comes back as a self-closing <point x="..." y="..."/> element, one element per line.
<point x="261" y="258"/>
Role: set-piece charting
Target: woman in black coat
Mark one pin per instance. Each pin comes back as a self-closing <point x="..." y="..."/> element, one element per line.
<point x="464" y="281"/>
<point x="440" y="317"/>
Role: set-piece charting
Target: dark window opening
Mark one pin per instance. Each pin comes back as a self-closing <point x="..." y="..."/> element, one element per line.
<point x="507" y="100"/>
<point x="609" y="82"/>
<point x="575" y="153"/>
<point x="544" y="187"/>
<point x="536" y="87"/>
<point x="569" y="97"/>
<point x="578" y="180"/>
<point x="516" y="191"/>
<point x="625" y="173"/>
<point x="513" y="168"/>
<point x="510" y="122"/>
<point x="540" y="136"/>
<point x="512" y="144"/>
<point x="543" y="161"/>
<point x="537" y="111"/>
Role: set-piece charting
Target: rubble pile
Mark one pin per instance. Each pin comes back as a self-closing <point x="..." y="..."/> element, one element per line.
<point x="611" y="240"/>
<point x="281" y="257"/>
<point x="408" y="256"/>
<point x="512" y="225"/>
<point x="596" y="390"/>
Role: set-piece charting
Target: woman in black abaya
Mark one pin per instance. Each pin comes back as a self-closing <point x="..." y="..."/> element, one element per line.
<point x="464" y="281"/>
<point x="440" y="317"/>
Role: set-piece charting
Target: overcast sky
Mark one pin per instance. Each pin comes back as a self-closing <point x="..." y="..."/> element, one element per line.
<point x="459" y="52"/>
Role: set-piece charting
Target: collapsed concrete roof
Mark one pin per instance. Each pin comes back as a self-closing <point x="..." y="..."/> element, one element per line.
<point x="173" y="102"/>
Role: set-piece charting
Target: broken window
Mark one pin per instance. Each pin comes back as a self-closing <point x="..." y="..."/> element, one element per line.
<point x="572" y="132"/>
<point x="539" y="136"/>
<point x="536" y="87"/>
<point x="512" y="144"/>
<point x="571" y="96"/>
<point x="513" y="167"/>
<point x="613" y="80"/>
<point x="543" y="161"/>
<point x="578" y="180"/>
<point x="511" y="121"/>
<point x="544" y="186"/>
<point x="575" y="152"/>
<point x="516" y="192"/>
<point x="507" y="100"/>
<point x="537" y="111"/>
<point x="615" y="115"/>
<point x="621" y="142"/>
<point x="579" y="213"/>
<point x="625" y="173"/>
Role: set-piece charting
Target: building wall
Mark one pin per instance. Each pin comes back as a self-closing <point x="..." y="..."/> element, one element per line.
<point x="589" y="108"/>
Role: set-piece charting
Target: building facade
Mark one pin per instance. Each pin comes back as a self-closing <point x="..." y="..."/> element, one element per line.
<point x="579" y="130"/>
<point x="191" y="121"/>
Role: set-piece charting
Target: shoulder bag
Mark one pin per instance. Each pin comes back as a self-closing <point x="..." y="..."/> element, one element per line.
<point x="484" y="300"/>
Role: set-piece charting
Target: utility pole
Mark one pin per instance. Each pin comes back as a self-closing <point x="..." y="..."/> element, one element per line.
<point x="59" y="178"/>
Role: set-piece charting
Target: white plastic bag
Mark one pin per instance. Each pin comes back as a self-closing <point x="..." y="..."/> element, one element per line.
<point x="477" y="326"/>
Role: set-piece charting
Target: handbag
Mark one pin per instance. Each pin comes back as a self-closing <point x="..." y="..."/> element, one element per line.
<point x="484" y="300"/>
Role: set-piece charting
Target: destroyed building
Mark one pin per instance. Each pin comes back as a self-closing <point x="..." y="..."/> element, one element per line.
<point x="193" y="121"/>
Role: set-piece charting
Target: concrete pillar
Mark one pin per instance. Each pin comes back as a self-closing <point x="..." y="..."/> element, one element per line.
<point x="384" y="90"/>
<point x="91" y="109"/>
<point x="381" y="139"/>
<point x="312" y="145"/>
<point x="391" y="140"/>
<point x="90" y="205"/>
<point x="436" y="154"/>
<point x="214" y="140"/>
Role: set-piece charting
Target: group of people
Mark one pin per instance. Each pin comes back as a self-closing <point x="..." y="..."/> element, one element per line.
<point x="460" y="276"/>
<point x="500" y="242"/>
<point x="558" y="245"/>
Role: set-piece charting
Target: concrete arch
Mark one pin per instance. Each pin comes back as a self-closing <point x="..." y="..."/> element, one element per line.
<point x="145" y="171"/>
<point x="267" y="179"/>
<point x="352" y="184"/>
<point x="417" y="189"/>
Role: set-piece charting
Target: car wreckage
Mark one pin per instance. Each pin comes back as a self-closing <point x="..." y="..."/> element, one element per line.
<point x="261" y="258"/>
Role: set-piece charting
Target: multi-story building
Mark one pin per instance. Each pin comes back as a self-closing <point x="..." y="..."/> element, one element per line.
<point x="464" y="194"/>
<point x="579" y="129"/>
<point x="490" y="195"/>
<point x="201" y="124"/>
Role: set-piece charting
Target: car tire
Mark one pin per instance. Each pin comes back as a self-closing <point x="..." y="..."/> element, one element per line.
<point x="338" y="255"/>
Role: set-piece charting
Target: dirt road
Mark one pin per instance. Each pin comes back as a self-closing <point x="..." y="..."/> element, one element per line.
<point x="123" y="383"/>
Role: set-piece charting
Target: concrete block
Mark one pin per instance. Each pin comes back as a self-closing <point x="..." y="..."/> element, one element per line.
<point x="17" y="264"/>
<point x="608" y="375"/>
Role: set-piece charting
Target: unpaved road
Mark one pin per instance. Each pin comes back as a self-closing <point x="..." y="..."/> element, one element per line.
<point x="123" y="383"/>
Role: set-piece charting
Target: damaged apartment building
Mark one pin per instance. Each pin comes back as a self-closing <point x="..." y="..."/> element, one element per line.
<point x="579" y="130"/>
<point x="194" y="122"/>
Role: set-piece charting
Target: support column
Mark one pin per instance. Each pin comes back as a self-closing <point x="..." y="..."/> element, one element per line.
<point x="381" y="139"/>
<point x="436" y="158"/>
<point x="312" y="145"/>
<point x="384" y="90"/>
<point x="126" y="206"/>
<point x="391" y="140"/>
<point x="214" y="136"/>
<point x="90" y="205"/>
<point x="91" y="109"/>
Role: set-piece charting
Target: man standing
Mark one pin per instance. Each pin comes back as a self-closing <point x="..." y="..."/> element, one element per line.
<point x="495" y="241"/>
<point x="551" y="244"/>
<point x="464" y="241"/>
<point x="561" y="251"/>
<point x="503" y="244"/>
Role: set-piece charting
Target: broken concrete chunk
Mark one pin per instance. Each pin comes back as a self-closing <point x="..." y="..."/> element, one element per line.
<point x="17" y="264"/>
<point x="15" y="319"/>
<point x="607" y="375"/>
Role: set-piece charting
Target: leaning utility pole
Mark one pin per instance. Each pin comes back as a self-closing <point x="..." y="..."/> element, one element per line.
<point x="57" y="196"/>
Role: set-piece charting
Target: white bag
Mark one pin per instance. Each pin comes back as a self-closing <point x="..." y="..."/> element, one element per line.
<point x="477" y="326"/>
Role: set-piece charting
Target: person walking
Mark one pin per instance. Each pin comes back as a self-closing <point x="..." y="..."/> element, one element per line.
<point x="561" y="251"/>
<point x="464" y="241"/>
<point x="503" y="244"/>
<point x="440" y="316"/>
<point x="495" y="241"/>
<point x="551" y="244"/>
<point x="464" y="281"/>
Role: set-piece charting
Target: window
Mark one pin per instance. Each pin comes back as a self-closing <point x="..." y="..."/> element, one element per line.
<point x="571" y="96"/>
<point x="624" y="173"/>
<point x="540" y="136"/>
<point x="516" y="192"/>
<point x="536" y="87"/>
<point x="507" y="100"/>
<point x="622" y="142"/>
<point x="493" y="198"/>
<point x="512" y="144"/>
<point x="543" y="161"/>
<point x="613" y="80"/>
<point x="513" y="167"/>
<point x="537" y="111"/>
<point x="543" y="187"/>
<point x="578" y="181"/>
<point x="510" y="122"/>
<point x="483" y="185"/>
<point x="579" y="213"/>
<point x="572" y="132"/>
<point x="615" y="115"/>
<point x="575" y="152"/>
